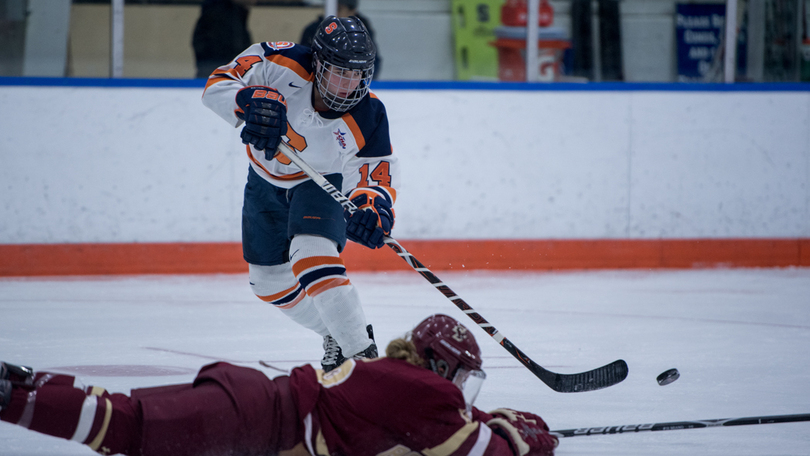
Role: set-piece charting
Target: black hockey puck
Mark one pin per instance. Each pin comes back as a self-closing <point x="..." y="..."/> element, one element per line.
<point x="668" y="377"/>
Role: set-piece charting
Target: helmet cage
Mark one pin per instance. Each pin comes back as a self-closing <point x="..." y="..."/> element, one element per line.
<point x="343" y="60"/>
<point x="341" y="88"/>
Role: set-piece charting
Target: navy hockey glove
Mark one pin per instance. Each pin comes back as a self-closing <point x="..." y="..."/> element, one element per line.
<point x="526" y="432"/>
<point x="264" y="111"/>
<point x="373" y="219"/>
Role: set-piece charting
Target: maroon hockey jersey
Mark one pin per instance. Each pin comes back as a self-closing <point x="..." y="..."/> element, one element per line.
<point x="380" y="407"/>
<point x="346" y="413"/>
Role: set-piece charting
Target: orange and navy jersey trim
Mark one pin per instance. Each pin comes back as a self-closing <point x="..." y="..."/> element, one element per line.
<point x="216" y="77"/>
<point x="356" y="132"/>
<point x="233" y="71"/>
<point x="287" y="298"/>
<point x="368" y="123"/>
<point x="290" y="55"/>
<point x="320" y="273"/>
<point x="295" y="57"/>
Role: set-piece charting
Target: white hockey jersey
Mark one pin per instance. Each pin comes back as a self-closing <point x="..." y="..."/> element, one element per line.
<point x="355" y="143"/>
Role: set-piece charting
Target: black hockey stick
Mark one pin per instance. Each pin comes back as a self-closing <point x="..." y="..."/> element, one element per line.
<point x="598" y="378"/>
<point x="676" y="425"/>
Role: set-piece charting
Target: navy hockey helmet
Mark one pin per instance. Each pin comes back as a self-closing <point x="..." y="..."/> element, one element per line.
<point x="450" y="350"/>
<point x="344" y="57"/>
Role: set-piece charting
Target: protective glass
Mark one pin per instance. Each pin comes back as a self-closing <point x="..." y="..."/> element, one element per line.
<point x="469" y="382"/>
<point x="342" y="88"/>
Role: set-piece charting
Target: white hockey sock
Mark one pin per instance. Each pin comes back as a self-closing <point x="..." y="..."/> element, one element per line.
<point x="278" y="286"/>
<point x="321" y="272"/>
<point x="341" y="311"/>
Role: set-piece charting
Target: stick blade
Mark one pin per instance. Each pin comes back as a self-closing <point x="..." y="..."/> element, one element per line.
<point x="601" y="377"/>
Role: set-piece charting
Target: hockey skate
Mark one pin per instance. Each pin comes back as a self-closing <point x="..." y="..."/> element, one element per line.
<point x="370" y="352"/>
<point x="333" y="354"/>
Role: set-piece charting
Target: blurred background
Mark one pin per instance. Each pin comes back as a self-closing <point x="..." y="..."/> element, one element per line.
<point x="424" y="40"/>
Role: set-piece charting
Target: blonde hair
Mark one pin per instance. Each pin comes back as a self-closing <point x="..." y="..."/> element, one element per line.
<point x="404" y="350"/>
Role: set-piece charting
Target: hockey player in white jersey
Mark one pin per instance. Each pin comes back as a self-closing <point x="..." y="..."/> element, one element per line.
<point x="318" y="102"/>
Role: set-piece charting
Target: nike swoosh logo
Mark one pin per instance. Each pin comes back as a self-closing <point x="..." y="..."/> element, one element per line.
<point x="293" y="85"/>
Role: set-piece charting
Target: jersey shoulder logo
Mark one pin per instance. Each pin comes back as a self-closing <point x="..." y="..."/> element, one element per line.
<point x="279" y="45"/>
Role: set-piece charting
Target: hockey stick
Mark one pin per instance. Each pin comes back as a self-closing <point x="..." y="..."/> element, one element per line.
<point x="676" y="425"/>
<point x="219" y="358"/>
<point x="598" y="378"/>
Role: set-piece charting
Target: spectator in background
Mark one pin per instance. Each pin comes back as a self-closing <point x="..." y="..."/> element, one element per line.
<point x="346" y="8"/>
<point x="221" y="33"/>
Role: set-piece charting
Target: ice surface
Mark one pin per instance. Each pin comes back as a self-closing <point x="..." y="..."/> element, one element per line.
<point x="739" y="338"/>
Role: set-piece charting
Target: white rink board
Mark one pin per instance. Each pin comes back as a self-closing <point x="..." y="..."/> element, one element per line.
<point x="84" y="164"/>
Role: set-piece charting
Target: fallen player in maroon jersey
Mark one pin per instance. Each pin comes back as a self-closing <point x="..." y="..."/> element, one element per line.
<point x="417" y="400"/>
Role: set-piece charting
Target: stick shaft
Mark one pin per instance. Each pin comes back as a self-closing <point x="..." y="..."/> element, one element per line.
<point x="601" y="377"/>
<point x="678" y="425"/>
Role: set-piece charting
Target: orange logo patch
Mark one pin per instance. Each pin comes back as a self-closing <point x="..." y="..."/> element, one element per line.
<point x="269" y="94"/>
<point x="278" y="45"/>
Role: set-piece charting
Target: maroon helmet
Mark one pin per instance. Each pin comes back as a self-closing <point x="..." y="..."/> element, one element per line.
<point x="450" y="350"/>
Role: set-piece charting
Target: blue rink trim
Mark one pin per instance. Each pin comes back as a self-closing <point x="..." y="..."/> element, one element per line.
<point x="436" y="85"/>
<point x="102" y="82"/>
<point x="592" y="86"/>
